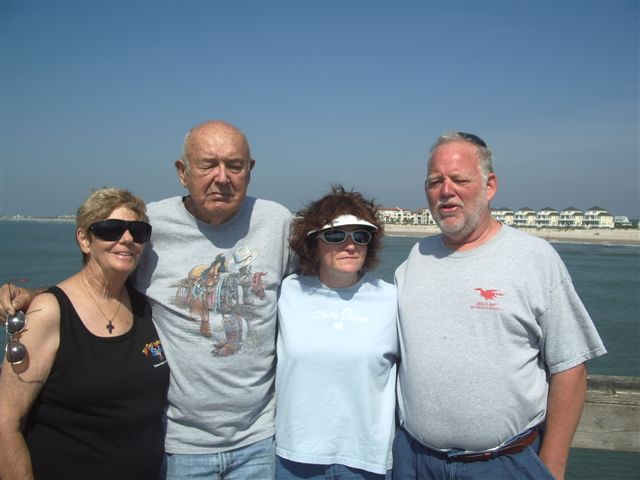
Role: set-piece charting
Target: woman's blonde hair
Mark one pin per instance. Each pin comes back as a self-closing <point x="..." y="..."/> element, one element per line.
<point x="99" y="205"/>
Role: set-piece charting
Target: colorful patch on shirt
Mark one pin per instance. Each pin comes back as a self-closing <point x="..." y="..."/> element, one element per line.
<point x="154" y="351"/>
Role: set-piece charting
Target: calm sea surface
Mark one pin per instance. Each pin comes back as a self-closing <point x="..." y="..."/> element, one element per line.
<point x="606" y="277"/>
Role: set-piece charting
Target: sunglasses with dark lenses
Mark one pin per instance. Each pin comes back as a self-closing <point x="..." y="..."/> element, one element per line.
<point x="476" y="140"/>
<point x="336" y="236"/>
<point x="15" y="351"/>
<point x="113" y="229"/>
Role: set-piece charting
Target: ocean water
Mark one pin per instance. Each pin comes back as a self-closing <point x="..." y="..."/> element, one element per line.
<point x="606" y="277"/>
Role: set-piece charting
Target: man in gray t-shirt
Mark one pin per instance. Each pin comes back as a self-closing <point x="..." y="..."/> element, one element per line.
<point x="493" y="337"/>
<point x="212" y="272"/>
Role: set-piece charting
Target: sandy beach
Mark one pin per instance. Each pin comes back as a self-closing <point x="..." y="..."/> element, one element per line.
<point x="615" y="236"/>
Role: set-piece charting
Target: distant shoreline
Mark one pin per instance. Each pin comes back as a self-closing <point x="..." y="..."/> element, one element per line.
<point x="604" y="236"/>
<point x="39" y="219"/>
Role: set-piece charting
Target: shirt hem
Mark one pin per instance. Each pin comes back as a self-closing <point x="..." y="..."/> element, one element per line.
<point x="181" y="449"/>
<point x="331" y="460"/>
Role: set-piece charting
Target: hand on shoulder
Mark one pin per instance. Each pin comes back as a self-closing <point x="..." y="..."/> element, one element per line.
<point x="14" y="299"/>
<point x="40" y="337"/>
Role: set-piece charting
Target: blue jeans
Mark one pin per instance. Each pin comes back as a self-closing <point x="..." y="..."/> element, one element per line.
<point x="413" y="461"/>
<point x="288" y="470"/>
<point x="253" y="462"/>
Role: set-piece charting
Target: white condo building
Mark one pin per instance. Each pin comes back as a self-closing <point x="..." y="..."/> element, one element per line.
<point x="525" y="217"/>
<point x="622" y="221"/>
<point x="395" y="215"/>
<point x="503" y="215"/>
<point x="571" y="218"/>
<point x="547" y="217"/>
<point x="424" y="217"/>
<point x="597" y="217"/>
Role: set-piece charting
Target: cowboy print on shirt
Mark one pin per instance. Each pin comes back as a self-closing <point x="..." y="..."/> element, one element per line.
<point x="221" y="296"/>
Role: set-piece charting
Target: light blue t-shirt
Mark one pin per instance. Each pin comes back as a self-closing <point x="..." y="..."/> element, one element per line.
<point x="336" y="371"/>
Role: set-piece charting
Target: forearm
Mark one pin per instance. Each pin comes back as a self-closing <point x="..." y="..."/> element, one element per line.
<point x="567" y="392"/>
<point x="15" y="461"/>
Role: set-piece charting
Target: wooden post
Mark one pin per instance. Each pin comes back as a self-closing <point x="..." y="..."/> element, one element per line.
<point x="611" y="417"/>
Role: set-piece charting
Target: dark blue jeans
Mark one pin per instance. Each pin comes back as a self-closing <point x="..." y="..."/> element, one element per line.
<point x="413" y="461"/>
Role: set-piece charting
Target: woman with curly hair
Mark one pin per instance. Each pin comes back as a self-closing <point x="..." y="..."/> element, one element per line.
<point x="337" y="347"/>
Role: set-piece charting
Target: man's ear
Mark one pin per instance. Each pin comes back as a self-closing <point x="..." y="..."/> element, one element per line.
<point x="181" y="169"/>
<point x="492" y="186"/>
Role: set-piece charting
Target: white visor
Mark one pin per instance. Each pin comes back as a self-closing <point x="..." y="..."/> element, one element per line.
<point x="343" y="221"/>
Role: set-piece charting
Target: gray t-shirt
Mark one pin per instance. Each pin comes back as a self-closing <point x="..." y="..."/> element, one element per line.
<point x="213" y="291"/>
<point x="480" y="331"/>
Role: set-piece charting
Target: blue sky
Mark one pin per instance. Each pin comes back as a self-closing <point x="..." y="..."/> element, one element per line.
<point x="102" y="93"/>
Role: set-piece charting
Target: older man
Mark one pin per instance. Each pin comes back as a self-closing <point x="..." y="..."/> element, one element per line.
<point x="211" y="273"/>
<point x="494" y="338"/>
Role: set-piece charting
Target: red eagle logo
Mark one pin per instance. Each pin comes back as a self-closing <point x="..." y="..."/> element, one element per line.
<point x="488" y="294"/>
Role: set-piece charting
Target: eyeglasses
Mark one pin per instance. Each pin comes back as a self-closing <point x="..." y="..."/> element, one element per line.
<point x="336" y="236"/>
<point x="15" y="351"/>
<point x="470" y="137"/>
<point x="112" y="229"/>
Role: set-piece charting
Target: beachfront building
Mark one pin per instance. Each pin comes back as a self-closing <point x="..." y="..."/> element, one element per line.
<point x="503" y="215"/>
<point x="396" y="215"/>
<point x="423" y="217"/>
<point x="547" y="217"/>
<point x="525" y="217"/>
<point x="571" y="218"/>
<point x="597" y="217"/>
<point x="622" y="221"/>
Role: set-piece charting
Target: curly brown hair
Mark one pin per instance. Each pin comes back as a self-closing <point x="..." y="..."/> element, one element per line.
<point x="321" y="212"/>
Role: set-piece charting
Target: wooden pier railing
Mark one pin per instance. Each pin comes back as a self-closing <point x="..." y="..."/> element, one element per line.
<point x="611" y="417"/>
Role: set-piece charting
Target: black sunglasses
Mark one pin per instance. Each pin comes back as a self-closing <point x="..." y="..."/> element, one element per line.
<point x="476" y="140"/>
<point x="15" y="351"/>
<point x="336" y="236"/>
<point x="112" y="229"/>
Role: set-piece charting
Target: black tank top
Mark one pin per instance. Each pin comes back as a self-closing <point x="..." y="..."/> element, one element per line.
<point x="100" y="412"/>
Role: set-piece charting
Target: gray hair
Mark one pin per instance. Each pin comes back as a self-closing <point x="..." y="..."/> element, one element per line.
<point x="184" y="153"/>
<point x="485" y="157"/>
